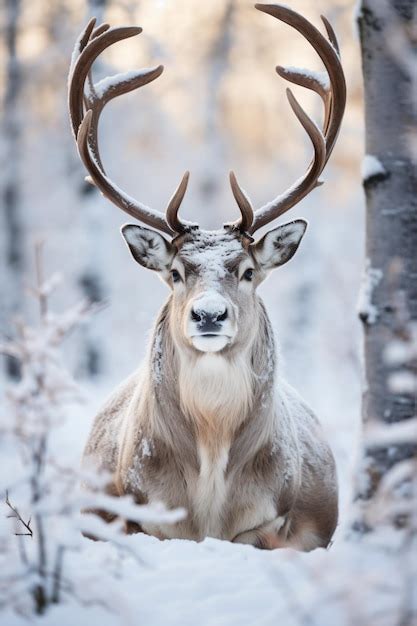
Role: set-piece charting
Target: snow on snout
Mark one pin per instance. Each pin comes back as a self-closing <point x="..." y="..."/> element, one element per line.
<point x="210" y="302"/>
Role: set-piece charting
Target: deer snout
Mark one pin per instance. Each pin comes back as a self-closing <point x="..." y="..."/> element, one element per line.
<point x="211" y="322"/>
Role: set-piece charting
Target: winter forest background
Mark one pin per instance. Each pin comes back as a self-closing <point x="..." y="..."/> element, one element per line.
<point x="218" y="106"/>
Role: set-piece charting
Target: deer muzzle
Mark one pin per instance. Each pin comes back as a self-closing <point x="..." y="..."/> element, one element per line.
<point x="212" y="322"/>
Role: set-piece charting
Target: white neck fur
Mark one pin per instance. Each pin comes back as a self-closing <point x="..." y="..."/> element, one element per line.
<point x="216" y="393"/>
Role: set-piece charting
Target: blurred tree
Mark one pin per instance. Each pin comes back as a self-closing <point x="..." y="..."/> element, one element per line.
<point x="217" y="63"/>
<point x="11" y="194"/>
<point x="389" y="302"/>
<point x="90" y="280"/>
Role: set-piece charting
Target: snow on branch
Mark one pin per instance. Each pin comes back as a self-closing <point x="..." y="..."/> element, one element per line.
<point x="394" y="496"/>
<point x="43" y="496"/>
<point x="125" y="507"/>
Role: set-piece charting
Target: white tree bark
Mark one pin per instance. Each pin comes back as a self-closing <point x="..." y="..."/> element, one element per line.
<point x="389" y="309"/>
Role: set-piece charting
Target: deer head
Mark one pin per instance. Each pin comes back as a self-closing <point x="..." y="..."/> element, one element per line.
<point x="213" y="274"/>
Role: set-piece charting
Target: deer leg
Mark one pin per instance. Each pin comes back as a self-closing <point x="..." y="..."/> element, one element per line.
<point x="279" y="534"/>
<point x="266" y="537"/>
<point x="261" y="540"/>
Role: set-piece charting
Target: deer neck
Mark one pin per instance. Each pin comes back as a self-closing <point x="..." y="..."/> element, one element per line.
<point x="212" y="395"/>
<point x="215" y="394"/>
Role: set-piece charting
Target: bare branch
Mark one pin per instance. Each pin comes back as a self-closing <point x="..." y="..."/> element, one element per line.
<point x="16" y="515"/>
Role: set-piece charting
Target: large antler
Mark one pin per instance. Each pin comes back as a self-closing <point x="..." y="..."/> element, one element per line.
<point x="332" y="91"/>
<point x="86" y="103"/>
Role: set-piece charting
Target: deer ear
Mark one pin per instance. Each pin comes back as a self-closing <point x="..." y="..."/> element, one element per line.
<point x="279" y="245"/>
<point x="148" y="247"/>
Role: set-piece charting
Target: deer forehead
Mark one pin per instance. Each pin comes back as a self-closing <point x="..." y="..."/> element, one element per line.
<point x="212" y="254"/>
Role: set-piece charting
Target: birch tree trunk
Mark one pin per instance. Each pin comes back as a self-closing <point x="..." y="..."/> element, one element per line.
<point x="389" y="302"/>
<point x="11" y="219"/>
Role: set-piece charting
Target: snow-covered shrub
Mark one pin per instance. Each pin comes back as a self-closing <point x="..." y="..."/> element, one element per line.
<point x="41" y="494"/>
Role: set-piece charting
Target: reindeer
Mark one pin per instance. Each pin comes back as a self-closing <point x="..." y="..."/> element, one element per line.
<point x="208" y="423"/>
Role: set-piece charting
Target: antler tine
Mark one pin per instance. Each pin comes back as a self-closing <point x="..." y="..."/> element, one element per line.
<point x="333" y="95"/>
<point x="86" y="35"/>
<point x="92" y="43"/>
<point x="312" y="82"/>
<point x="331" y="34"/>
<point x="174" y="204"/>
<point x="87" y="55"/>
<point x="328" y="54"/>
<point x="99" y="30"/>
<point x="274" y="209"/>
<point x="243" y="203"/>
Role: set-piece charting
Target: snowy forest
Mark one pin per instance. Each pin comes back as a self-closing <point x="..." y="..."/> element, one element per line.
<point x="77" y="312"/>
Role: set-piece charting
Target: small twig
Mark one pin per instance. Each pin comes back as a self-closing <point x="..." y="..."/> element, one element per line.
<point x="43" y="300"/>
<point x="16" y="515"/>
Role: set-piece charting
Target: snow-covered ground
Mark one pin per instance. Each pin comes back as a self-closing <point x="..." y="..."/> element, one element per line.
<point x="182" y="583"/>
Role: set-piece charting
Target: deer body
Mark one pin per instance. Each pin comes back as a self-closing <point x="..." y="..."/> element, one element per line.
<point x="219" y="433"/>
<point x="208" y="423"/>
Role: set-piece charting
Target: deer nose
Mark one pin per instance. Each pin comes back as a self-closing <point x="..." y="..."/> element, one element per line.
<point x="199" y="315"/>
<point x="208" y="320"/>
<point x="208" y="311"/>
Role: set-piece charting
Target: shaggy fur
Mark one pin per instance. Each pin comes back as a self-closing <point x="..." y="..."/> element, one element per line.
<point x="220" y="434"/>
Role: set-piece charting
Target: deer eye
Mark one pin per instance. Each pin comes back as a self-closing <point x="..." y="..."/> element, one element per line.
<point x="176" y="276"/>
<point x="248" y="274"/>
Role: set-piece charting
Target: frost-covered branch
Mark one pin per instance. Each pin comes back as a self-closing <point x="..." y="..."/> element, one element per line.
<point x="41" y="482"/>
